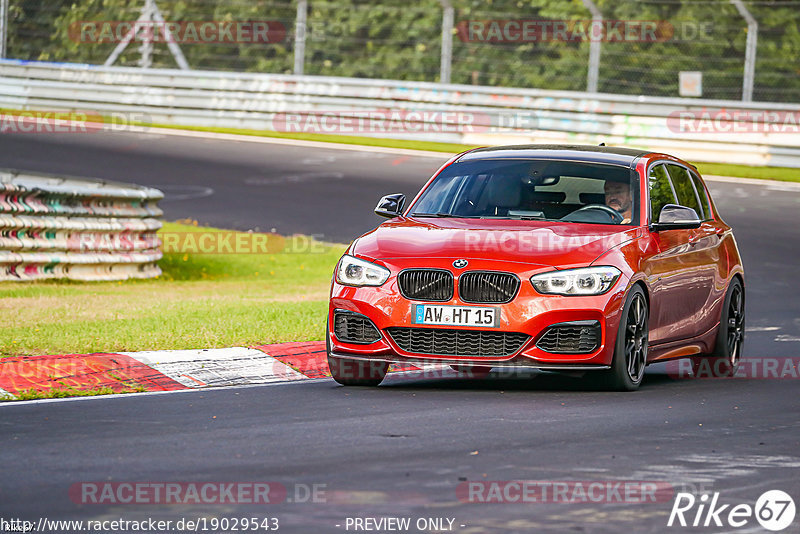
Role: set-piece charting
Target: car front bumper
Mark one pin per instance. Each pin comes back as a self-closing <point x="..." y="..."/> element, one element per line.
<point x="529" y="313"/>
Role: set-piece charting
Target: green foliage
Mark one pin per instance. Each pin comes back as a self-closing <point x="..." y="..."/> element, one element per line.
<point x="62" y="393"/>
<point x="396" y="39"/>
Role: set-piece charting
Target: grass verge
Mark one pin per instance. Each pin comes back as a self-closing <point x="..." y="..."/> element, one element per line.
<point x="783" y="174"/>
<point x="201" y="301"/>
<point x="62" y="393"/>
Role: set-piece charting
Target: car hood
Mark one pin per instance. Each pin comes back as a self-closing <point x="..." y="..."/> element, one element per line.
<point x="548" y="243"/>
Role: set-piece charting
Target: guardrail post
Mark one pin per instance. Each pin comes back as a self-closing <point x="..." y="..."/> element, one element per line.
<point x="448" y="14"/>
<point x="594" y="48"/>
<point x="750" y="51"/>
<point x="300" y="33"/>
<point x="3" y="27"/>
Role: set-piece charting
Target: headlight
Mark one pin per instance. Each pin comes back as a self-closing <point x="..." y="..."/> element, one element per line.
<point x="355" y="272"/>
<point x="584" y="281"/>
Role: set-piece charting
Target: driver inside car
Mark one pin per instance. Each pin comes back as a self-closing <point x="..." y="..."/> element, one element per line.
<point x="618" y="197"/>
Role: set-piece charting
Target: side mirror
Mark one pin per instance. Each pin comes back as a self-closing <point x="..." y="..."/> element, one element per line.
<point x="674" y="217"/>
<point x="391" y="205"/>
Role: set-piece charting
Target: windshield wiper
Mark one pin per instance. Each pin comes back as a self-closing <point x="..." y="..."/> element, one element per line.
<point x="517" y="218"/>
<point x="442" y="215"/>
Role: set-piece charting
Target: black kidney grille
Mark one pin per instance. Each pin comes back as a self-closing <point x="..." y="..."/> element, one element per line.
<point x="571" y="338"/>
<point x="426" y="284"/>
<point x="443" y="342"/>
<point x="487" y="287"/>
<point x="354" y="328"/>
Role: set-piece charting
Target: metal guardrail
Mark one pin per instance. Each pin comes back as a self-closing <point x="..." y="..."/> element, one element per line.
<point x="53" y="227"/>
<point x="499" y="115"/>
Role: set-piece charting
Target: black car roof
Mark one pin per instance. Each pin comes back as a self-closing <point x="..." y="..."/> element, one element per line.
<point x="588" y="153"/>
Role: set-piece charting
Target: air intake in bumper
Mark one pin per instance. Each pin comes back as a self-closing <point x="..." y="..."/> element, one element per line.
<point x="578" y="337"/>
<point x="442" y="342"/>
<point x="350" y="327"/>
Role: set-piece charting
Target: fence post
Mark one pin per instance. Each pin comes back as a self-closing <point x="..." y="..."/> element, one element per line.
<point x="146" y="48"/>
<point x="150" y="13"/>
<point x="593" y="73"/>
<point x="300" y="34"/>
<point x="448" y="14"/>
<point x="3" y="28"/>
<point x="750" y="51"/>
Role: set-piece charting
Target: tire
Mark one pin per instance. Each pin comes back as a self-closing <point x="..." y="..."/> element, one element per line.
<point x="630" y="348"/>
<point x="472" y="371"/>
<point x="724" y="361"/>
<point x="348" y="372"/>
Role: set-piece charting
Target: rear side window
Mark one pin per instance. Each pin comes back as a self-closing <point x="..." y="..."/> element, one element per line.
<point x="685" y="189"/>
<point x="701" y="192"/>
<point x="660" y="191"/>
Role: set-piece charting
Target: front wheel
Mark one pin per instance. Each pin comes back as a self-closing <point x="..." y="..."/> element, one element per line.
<point x="724" y="361"/>
<point x="630" y="350"/>
<point x="348" y="372"/>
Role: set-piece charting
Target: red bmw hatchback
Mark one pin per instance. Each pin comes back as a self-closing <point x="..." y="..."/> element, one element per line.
<point x="558" y="258"/>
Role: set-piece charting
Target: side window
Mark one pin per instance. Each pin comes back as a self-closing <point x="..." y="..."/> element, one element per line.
<point x="684" y="189"/>
<point x="701" y="192"/>
<point x="660" y="191"/>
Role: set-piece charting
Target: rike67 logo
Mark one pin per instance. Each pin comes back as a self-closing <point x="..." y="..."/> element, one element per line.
<point x="774" y="510"/>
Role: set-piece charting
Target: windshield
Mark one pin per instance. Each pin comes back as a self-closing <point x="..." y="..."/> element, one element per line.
<point x="533" y="189"/>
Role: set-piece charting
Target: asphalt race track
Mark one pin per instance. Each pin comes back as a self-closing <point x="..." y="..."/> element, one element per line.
<point x="404" y="449"/>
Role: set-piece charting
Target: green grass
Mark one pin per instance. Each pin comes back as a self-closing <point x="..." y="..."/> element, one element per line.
<point x="61" y="393"/>
<point x="783" y="174"/>
<point x="201" y="301"/>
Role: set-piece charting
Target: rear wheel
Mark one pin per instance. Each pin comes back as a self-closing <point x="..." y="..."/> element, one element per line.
<point x="630" y="350"/>
<point x="724" y="361"/>
<point x="349" y="372"/>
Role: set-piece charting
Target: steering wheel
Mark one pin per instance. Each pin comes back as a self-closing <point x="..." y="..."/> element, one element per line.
<point x="616" y="217"/>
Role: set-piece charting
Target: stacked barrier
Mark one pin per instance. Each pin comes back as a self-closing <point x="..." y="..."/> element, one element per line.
<point x="497" y="115"/>
<point x="52" y="227"/>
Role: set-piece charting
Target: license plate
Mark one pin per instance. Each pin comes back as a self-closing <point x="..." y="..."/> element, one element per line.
<point x="456" y="315"/>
